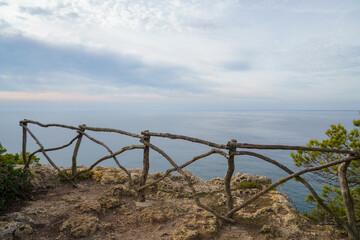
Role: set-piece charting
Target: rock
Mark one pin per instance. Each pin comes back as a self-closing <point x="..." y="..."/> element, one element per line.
<point x="81" y="225"/>
<point x="106" y="175"/>
<point x="120" y="190"/>
<point x="88" y="207"/>
<point x="142" y="205"/>
<point x="109" y="202"/>
<point x="153" y="216"/>
<point x="9" y="230"/>
<point x="185" y="234"/>
<point x="239" y="177"/>
<point x="262" y="179"/>
<point x="197" y="226"/>
<point x="43" y="176"/>
<point x="23" y="232"/>
<point x="18" y="217"/>
<point x="71" y="199"/>
<point x="266" y="229"/>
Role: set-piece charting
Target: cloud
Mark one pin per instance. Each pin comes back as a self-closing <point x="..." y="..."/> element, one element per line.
<point x="187" y="51"/>
<point x="35" y="10"/>
<point x="28" y="63"/>
<point x="74" y="97"/>
<point x="237" y="66"/>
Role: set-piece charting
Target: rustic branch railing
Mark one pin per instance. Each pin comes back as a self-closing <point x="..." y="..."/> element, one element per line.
<point x="231" y="146"/>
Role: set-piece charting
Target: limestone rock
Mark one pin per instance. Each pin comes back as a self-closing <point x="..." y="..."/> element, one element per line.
<point x="43" y="176"/>
<point x="106" y="175"/>
<point x="88" y="207"/>
<point x="197" y="226"/>
<point x="81" y="225"/>
<point x="9" y="230"/>
<point x="23" y="232"/>
<point x="109" y="202"/>
<point x="239" y="177"/>
<point x="120" y="190"/>
<point x="71" y="199"/>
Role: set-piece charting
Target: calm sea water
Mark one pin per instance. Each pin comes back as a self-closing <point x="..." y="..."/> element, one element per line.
<point x="258" y="127"/>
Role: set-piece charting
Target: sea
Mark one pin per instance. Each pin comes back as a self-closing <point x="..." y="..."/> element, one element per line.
<point x="256" y="127"/>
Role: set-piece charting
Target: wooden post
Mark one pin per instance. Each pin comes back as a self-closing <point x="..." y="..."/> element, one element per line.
<point x="348" y="202"/>
<point x="229" y="173"/>
<point x="24" y="141"/>
<point x="75" y="153"/>
<point x="146" y="163"/>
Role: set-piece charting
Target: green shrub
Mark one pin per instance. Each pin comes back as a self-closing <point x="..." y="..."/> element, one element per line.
<point x="16" y="158"/>
<point x="247" y="185"/>
<point x="14" y="183"/>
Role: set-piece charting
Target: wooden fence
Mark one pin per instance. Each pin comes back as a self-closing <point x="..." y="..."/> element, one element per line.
<point x="228" y="151"/>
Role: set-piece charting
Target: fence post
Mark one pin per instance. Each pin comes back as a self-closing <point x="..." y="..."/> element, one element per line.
<point x="24" y="141"/>
<point x="75" y="153"/>
<point x="229" y="173"/>
<point x="146" y="164"/>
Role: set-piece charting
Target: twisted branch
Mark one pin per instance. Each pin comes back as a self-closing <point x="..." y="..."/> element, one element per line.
<point x="110" y="156"/>
<point x="54" y="149"/>
<point x="300" y="179"/>
<point x="187" y="179"/>
<point x="212" y="151"/>
<point x="46" y="156"/>
<point x="114" y="157"/>
<point x="48" y="125"/>
<point x="301" y="148"/>
<point x="191" y="139"/>
<point x="294" y="175"/>
<point x="96" y="129"/>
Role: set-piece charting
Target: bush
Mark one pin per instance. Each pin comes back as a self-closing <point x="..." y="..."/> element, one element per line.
<point x="248" y="185"/>
<point x="16" y="158"/>
<point x="14" y="183"/>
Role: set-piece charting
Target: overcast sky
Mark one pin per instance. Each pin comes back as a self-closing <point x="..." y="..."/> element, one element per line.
<point x="204" y="54"/>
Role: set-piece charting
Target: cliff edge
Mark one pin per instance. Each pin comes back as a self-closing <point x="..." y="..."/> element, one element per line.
<point x="104" y="207"/>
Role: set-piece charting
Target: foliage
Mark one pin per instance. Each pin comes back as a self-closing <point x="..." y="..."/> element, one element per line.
<point x="338" y="138"/>
<point x="247" y="185"/>
<point x="68" y="174"/>
<point x="14" y="182"/>
<point x="16" y="158"/>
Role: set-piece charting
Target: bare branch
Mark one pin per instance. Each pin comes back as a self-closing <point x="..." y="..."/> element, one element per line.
<point x="286" y="147"/>
<point x="213" y="151"/>
<point x="49" y="125"/>
<point x="187" y="179"/>
<point x="191" y="139"/>
<point x="96" y="129"/>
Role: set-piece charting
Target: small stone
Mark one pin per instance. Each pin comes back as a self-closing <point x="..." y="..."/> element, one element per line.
<point x="109" y="202"/>
<point x="23" y="231"/>
<point x="81" y="225"/>
<point x="88" y="207"/>
<point x="7" y="229"/>
<point x="71" y="199"/>
<point x="142" y="205"/>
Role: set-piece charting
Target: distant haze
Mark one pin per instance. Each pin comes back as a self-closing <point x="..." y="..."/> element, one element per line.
<point x="188" y="55"/>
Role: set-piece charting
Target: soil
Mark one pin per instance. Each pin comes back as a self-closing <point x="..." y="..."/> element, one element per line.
<point x="159" y="217"/>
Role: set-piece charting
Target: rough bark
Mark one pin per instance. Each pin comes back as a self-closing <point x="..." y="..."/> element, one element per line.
<point x="229" y="173"/>
<point x="348" y="203"/>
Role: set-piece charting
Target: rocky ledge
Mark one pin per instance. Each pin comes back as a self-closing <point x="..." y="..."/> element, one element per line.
<point x="104" y="207"/>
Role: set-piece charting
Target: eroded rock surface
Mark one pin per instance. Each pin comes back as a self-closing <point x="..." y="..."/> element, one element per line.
<point x="104" y="207"/>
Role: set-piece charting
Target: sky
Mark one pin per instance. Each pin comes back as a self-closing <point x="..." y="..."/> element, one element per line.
<point x="188" y="55"/>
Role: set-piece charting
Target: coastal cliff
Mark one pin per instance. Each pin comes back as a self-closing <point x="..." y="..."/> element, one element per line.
<point x="104" y="207"/>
